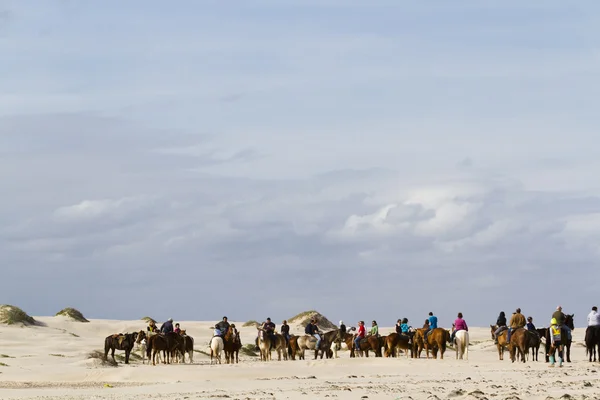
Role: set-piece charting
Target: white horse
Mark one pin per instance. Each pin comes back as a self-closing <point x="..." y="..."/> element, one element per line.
<point x="462" y="344"/>
<point x="216" y="348"/>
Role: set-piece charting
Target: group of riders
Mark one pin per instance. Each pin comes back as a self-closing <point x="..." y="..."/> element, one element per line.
<point x="517" y="321"/>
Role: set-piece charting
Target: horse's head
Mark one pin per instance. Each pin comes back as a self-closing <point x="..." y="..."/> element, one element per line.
<point x="182" y="332"/>
<point x="141" y="336"/>
<point x="569" y="321"/>
<point x="493" y="330"/>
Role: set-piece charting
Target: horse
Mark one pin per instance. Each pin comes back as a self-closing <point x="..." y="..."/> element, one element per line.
<point x="120" y="341"/>
<point x="436" y="340"/>
<point x="367" y="343"/>
<point x="462" y="344"/>
<point x="229" y="344"/>
<point x="533" y="343"/>
<point x="237" y="345"/>
<point x="519" y="340"/>
<point x="394" y="342"/>
<point x="327" y="340"/>
<point x="566" y="342"/>
<point x="265" y="342"/>
<point x="188" y="345"/>
<point x="167" y="344"/>
<point x="216" y="347"/>
<point x="142" y="342"/>
<point x="502" y="344"/>
<point x="592" y="342"/>
<point x="305" y="342"/>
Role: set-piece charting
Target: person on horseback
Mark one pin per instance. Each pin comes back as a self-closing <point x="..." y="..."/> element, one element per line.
<point x="167" y="327"/>
<point x="269" y="329"/>
<point x="459" y="325"/>
<point x="555" y="340"/>
<point x="285" y="331"/>
<point x="530" y="325"/>
<point x="152" y="327"/>
<point x="313" y="330"/>
<point x="342" y="329"/>
<point x="593" y="318"/>
<point x="223" y="326"/>
<point x="177" y="329"/>
<point x="432" y="324"/>
<point x="374" y="331"/>
<point x="516" y="321"/>
<point x="561" y="319"/>
<point x="360" y="335"/>
<point x="501" y="322"/>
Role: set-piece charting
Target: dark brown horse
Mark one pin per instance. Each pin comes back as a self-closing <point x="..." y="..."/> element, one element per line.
<point x="592" y="342"/>
<point x="167" y="343"/>
<point x="368" y="343"/>
<point x="565" y="341"/>
<point x="534" y="344"/>
<point x="237" y="344"/>
<point x="435" y="341"/>
<point x="229" y="344"/>
<point x="120" y="341"/>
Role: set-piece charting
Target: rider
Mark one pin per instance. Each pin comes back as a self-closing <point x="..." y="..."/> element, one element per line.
<point x="167" y="327"/>
<point x="177" y="330"/>
<point x="560" y="319"/>
<point x="217" y="331"/>
<point x="342" y="329"/>
<point x="459" y="325"/>
<point x="285" y="331"/>
<point x="360" y="335"/>
<point x="501" y="322"/>
<point x="432" y="323"/>
<point x="269" y="328"/>
<point x="516" y="321"/>
<point x="404" y="328"/>
<point x="593" y="318"/>
<point x="374" y="331"/>
<point x="555" y="337"/>
<point x="152" y="327"/>
<point x="223" y="326"/>
<point x="313" y="330"/>
<point x="530" y="325"/>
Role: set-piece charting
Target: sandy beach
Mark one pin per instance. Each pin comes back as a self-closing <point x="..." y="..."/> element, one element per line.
<point x="52" y="362"/>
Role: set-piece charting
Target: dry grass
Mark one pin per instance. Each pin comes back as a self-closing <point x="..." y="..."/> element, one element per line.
<point x="12" y="315"/>
<point x="148" y="319"/>
<point x="249" y="350"/>
<point x="72" y="313"/>
<point x="99" y="355"/>
<point x="3" y="364"/>
<point x="250" y="323"/>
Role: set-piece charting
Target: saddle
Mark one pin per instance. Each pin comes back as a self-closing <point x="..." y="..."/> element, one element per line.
<point x="363" y="341"/>
<point x="119" y="336"/>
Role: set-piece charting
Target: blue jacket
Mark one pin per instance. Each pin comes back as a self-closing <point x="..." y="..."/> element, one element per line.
<point x="432" y="322"/>
<point x="167" y="327"/>
<point x="404" y="328"/>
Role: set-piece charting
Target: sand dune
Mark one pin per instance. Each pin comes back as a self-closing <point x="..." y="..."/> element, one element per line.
<point x="51" y="362"/>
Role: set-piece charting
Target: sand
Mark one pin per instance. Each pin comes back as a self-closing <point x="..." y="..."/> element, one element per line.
<point x="51" y="362"/>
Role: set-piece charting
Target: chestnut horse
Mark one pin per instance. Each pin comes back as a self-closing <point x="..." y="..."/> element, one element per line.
<point x="519" y="342"/>
<point x="368" y="343"/>
<point x="394" y="342"/>
<point x="502" y="345"/>
<point x="229" y="344"/>
<point x="435" y="341"/>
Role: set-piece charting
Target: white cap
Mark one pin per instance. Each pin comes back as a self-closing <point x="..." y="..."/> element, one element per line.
<point x="341" y="322"/>
<point x="170" y="319"/>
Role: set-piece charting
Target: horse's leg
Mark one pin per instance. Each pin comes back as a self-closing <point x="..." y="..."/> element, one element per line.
<point x="112" y="354"/>
<point x="127" y="355"/>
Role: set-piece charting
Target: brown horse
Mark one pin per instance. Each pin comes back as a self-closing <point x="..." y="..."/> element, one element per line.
<point x="229" y="344"/>
<point x="167" y="344"/>
<point x="394" y="342"/>
<point x="519" y="340"/>
<point x="435" y="341"/>
<point x="237" y="344"/>
<point x="533" y="343"/>
<point x="502" y="344"/>
<point x="120" y="341"/>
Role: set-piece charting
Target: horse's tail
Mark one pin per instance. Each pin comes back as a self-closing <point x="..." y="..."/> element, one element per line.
<point x="106" y="346"/>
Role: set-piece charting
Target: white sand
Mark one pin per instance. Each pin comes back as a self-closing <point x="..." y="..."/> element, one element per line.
<point x="51" y="363"/>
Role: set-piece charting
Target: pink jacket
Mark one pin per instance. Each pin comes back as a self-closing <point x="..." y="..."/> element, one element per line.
<point x="460" y="325"/>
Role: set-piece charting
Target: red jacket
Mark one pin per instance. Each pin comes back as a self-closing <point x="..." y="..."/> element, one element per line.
<point x="361" y="331"/>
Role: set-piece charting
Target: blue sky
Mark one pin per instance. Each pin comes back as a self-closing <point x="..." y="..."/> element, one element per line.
<point x="347" y="156"/>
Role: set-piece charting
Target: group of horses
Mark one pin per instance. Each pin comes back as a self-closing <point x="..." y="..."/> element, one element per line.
<point x="173" y="346"/>
<point x="176" y="345"/>
<point x="333" y="341"/>
<point x="523" y="340"/>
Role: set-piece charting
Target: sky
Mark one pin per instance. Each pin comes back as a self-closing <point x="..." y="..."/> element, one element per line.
<point x="367" y="159"/>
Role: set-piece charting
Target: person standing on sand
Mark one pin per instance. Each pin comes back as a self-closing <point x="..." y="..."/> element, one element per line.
<point x="555" y="340"/>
